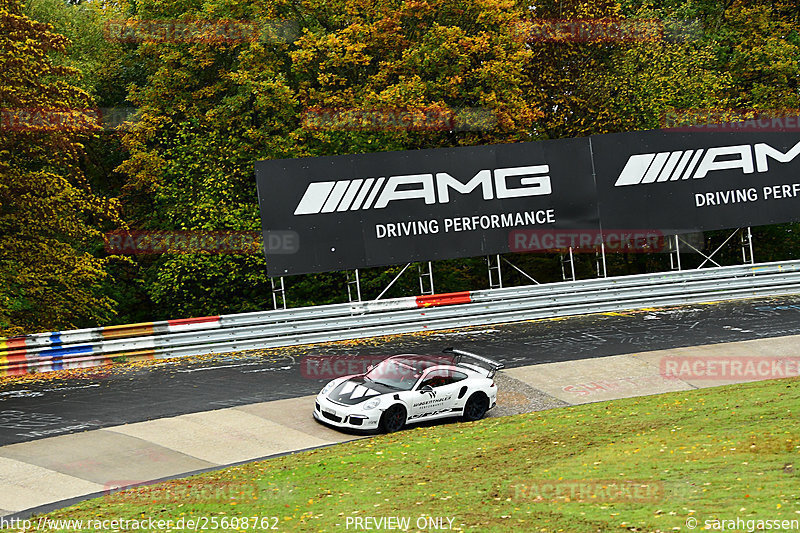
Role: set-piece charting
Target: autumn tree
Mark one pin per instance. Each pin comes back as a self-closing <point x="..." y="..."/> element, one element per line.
<point x="210" y="108"/>
<point x="50" y="221"/>
<point x="302" y="85"/>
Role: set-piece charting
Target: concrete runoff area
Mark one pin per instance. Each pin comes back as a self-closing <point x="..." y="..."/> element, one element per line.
<point x="24" y="485"/>
<point x="66" y="467"/>
<point x="641" y="374"/>
<point x="599" y="379"/>
<point x="224" y="436"/>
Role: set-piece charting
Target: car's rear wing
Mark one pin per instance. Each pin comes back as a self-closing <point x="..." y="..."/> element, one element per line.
<point x="483" y="362"/>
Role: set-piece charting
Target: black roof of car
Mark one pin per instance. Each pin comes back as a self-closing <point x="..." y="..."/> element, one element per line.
<point x="422" y="362"/>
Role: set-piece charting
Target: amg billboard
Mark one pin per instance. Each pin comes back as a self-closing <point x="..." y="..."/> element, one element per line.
<point x="355" y="211"/>
<point x="386" y="208"/>
<point x="697" y="181"/>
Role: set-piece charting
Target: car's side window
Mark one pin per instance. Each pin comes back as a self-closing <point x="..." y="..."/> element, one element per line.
<point x="456" y="376"/>
<point x="433" y="379"/>
<point x="441" y="377"/>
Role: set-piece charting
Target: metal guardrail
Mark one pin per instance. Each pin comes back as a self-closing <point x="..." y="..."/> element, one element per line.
<point x="226" y="333"/>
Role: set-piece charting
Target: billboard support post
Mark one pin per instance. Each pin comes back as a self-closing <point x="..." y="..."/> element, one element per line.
<point x="711" y="256"/>
<point x="389" y="286"/>
<point x="601" y="260"/>
<point x="351" y="283"/>
<point x="515" y="267"/>
<point x="675" y="255"/>
<point x="571" y="260"/>
<point x="278" y="293"/>
<point x="747" y="246"/>
<point x="572" y="263"/>
<point x="425" y="272"/>
<point x="495" y="271"/>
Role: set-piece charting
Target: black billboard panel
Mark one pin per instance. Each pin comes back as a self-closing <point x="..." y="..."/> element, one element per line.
<point x="342" y="212"/>
<point x="387" y="208"/>
<point x="680" y="182"/>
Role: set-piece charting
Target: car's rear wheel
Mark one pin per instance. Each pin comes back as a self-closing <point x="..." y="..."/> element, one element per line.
<point x="476" y="407"/>
<point x="393" y="419"/>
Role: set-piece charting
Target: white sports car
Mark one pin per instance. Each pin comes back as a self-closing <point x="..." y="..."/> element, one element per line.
<point x="408" y="389"/>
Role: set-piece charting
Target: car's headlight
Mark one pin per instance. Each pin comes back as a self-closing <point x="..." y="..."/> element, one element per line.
<point x="372" y="404"/>
<point x="328" y="387"/>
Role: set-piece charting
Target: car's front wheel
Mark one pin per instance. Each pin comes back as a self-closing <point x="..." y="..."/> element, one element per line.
<point x="393" y="419"/>
<point x="476" y="407"/>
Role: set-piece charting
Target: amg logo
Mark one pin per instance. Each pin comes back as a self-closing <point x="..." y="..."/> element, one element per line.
<point x="376" y="193"/>
<point x="696" y="164"/>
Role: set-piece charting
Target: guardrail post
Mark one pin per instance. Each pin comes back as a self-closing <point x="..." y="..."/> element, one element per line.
<point x="495" y="271"/>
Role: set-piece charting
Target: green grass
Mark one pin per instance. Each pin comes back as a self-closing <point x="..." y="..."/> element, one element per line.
<point x="723" y="453"/>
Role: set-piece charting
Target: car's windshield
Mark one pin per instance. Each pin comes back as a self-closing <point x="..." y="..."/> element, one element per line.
<point x="395" y="374"/>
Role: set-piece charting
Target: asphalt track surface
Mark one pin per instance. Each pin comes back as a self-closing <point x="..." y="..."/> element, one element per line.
<point x="123" y="394"/>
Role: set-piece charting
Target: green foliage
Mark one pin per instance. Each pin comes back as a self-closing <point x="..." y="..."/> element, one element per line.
<point x="89" y="52"/>
<point x="209" y="110"/>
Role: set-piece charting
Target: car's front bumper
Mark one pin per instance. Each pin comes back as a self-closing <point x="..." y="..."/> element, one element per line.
<point x="345" y="416"/>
